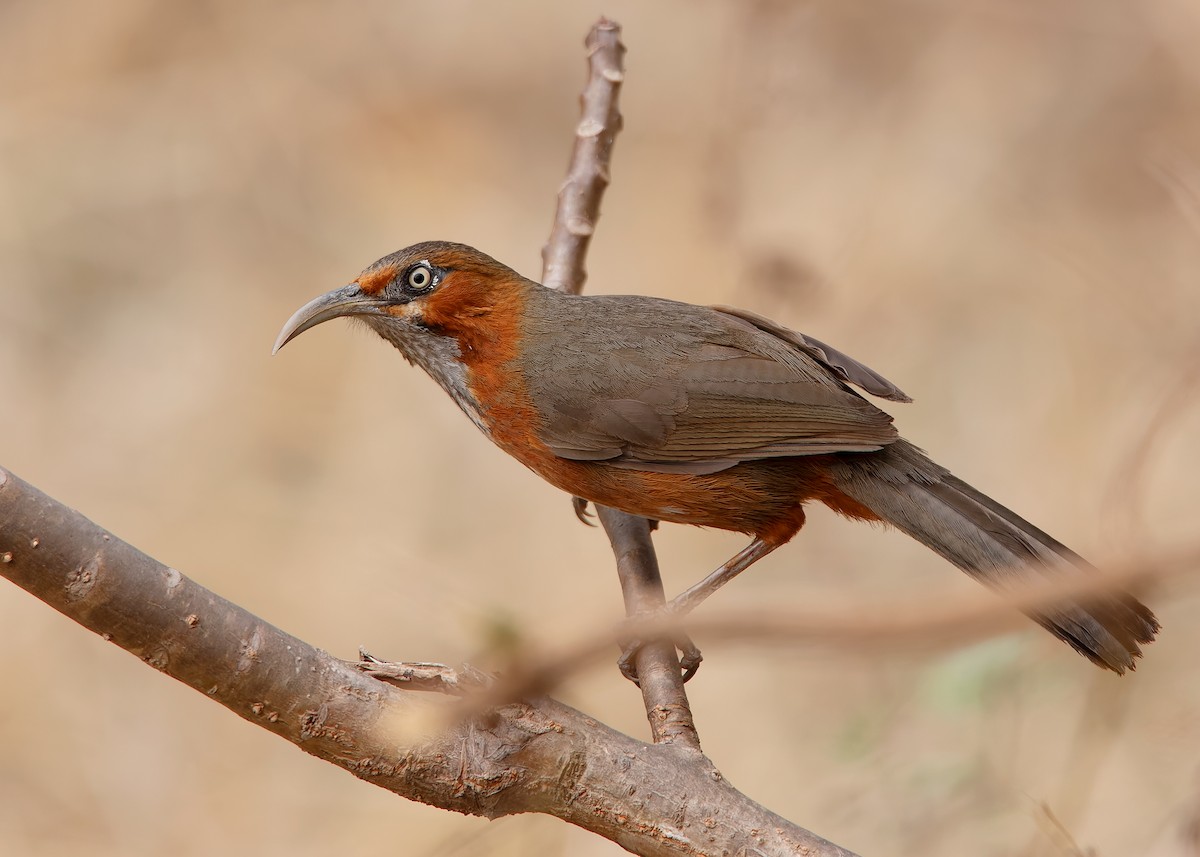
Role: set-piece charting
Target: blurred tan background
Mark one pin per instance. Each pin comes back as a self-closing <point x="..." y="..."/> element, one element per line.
<point x="996" y="204"/>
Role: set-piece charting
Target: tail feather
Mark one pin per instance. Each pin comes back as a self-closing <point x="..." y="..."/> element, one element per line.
<point x="994" y="545"/>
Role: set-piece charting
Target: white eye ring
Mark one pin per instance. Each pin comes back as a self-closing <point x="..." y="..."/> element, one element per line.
<point x="419" y="278"/>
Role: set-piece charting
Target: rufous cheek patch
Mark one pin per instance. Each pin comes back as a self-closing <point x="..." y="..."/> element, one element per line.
<point x="374" y="282"/>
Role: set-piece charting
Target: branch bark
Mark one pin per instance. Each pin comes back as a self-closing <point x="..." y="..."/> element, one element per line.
<point x="588" y="174"/>
<point x="657" y="665"/>
<point x="532" y="756"/>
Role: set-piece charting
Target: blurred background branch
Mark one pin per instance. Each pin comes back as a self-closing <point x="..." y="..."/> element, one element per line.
<point x="925" y="626"/>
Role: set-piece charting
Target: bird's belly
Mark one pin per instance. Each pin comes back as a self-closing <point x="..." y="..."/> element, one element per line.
<point x="753" y="497"/>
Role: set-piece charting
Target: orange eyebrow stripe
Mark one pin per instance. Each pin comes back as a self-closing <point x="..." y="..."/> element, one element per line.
<point x="374" y="282"/>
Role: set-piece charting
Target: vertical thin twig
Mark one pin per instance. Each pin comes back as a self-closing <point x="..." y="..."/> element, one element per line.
<point x="657" y="665"/>
<point x="563" y="268"/>
<point x="588" y="173"/>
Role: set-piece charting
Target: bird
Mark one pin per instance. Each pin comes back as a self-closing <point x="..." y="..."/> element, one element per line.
<point x="710" y="416"/>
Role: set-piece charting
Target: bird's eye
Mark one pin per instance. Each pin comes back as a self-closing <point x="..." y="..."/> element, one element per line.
<point x="419" y="278"/>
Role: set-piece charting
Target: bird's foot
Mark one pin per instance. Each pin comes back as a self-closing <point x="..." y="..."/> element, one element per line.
<point x="689" y="658"/>
<point x="585" y="515"/>
<point x="580" y="506"/>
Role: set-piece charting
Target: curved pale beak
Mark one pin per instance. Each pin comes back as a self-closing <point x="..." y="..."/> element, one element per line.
<point x="348" y="300"/>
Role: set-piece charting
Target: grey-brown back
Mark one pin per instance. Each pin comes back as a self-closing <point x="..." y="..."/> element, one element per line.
<point x="653" y="384"/>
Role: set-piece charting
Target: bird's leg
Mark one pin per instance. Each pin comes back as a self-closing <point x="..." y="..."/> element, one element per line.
<point x="688" y="600"/>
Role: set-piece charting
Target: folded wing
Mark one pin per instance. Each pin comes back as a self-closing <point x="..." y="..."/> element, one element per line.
<point x="725" y="388"/>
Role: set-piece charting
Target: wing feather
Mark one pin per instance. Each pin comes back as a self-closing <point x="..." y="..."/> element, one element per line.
<point x="704" y="392"/>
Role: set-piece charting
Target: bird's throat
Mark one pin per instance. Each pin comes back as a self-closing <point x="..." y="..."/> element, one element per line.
<point x="438" y="354"/>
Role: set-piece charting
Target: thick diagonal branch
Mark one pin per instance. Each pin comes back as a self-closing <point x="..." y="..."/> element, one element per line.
<point x="534" y="756"/>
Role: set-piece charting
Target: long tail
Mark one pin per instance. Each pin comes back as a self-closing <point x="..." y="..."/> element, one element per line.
<point x="992" y="544"/>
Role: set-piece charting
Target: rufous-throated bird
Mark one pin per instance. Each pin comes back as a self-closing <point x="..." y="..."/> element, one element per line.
<point x="699" y="415"/>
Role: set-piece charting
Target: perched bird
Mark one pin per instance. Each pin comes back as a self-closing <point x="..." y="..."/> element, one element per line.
<point x="698" y="415"/>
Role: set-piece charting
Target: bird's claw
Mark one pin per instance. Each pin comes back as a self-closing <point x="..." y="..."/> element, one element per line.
<point x="581" y="511"/>
<point x="689" y="658"/>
